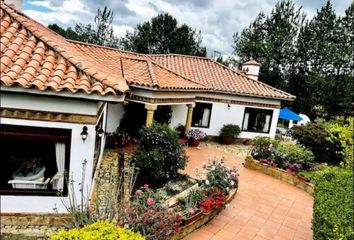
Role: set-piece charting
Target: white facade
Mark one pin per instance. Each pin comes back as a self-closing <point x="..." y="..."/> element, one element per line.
<point x="224" y="113"/>
<point x="115" y="112"/>
<point x="79" y="150"/>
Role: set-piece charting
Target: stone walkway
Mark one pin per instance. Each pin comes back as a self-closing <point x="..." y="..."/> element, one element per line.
<point x="264" y="207"/>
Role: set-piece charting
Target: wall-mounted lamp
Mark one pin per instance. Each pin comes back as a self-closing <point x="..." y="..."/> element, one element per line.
<point x="228" y="106"/>
<point x="100" y="133"/>
<point x="84" y="133"/>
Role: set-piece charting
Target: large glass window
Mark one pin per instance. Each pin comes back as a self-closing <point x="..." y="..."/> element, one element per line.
<point x="201" y="115"/>
<point x="257" y="120"/>
<point x="34" y="160"/>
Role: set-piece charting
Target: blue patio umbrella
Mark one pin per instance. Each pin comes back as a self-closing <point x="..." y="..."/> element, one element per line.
<point x="287" y="114"/>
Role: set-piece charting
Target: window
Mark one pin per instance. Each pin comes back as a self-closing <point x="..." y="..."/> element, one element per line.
<point x="201" y="115"/>
<point x="33" y="160"/>
<point x="257" y="120"/>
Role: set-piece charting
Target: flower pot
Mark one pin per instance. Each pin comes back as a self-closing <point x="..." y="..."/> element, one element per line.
<point x="302" y="178"/>
<point x="194" y="142"/>
<point x="228" y="140"/>
<point x="193" y="218"/>
<point x="246" y="142"/>
<point x="206" y="210"/>
<point x="291" y="171"/>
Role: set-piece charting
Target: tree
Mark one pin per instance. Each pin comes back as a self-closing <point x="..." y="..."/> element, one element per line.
<point x="270" y="41"/>
<point x="101" y="33"/>
<point x="312" y="59"/>
<point x="163" y="35"/>
<point x="325" y="63"/>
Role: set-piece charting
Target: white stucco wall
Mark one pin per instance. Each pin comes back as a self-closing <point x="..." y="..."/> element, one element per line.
<point x="78" y="153"/>
<point x="115" y="113"/>
<point x="220" y="115"/>
<point x="51" y="104"/>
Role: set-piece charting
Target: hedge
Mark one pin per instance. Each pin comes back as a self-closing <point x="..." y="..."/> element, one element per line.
<point x="333" y="204"/>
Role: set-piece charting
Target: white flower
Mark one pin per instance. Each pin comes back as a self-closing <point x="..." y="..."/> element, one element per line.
<point x="232" y="183"/>
<point x="206" y="182"/>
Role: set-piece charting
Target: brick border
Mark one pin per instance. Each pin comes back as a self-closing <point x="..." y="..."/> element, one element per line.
<point x="280" y="174"/>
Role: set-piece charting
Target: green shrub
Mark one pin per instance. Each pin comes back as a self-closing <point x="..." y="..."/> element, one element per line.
<point x="324" y="145"/>
<point x="159" y="155"/>
<point x="333" y="204"/>
<point x="262" y="147"/>
<point x="97" y="231"/>
<point x="230" y="130"/>
<point x="293" y="154"/>
<point x="221" y="177"/>
<point x="343" y="130"/>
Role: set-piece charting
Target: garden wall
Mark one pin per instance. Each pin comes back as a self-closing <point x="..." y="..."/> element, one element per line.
<point x="279" y="174"/>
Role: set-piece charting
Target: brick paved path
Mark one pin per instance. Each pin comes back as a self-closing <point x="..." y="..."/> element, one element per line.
<point x="264" y="207"/>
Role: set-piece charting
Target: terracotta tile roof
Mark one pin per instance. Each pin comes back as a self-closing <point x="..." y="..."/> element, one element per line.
<point x="138" y="69"/>
<point x="218" y="77"/>
<point x="32" y="56"/>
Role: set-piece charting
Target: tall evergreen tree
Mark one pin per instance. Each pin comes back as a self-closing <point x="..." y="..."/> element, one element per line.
<point x="163" y="35"/>
<point x="270" y="41"/>
<point x="312" y="59"/>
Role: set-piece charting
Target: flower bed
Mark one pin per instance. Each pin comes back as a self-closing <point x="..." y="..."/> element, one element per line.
<point x="156" y="217"/>
<point x="204" y="219"/>
<point x="286" y="176"/>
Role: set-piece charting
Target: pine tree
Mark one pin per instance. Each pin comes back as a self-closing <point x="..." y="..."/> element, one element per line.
<point x="270" y="40"/>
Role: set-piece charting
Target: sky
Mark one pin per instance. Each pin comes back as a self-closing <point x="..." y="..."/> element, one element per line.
<point x="217" y="20"/>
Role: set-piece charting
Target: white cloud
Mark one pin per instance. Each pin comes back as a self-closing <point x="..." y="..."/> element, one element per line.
<point x="218" y="20"/>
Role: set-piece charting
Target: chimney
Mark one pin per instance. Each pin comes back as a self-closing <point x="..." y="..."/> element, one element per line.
<point x="251" y="68"/>
<point x="17" y="3"/>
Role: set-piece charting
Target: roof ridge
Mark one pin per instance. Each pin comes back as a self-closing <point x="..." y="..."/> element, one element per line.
<point x="105" y="47"/>
<point x="152" y="74"/>
<point x="51" y="42"/>
<point x="176" y="54"/>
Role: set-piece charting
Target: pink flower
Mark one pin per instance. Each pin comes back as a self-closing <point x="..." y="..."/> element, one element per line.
<point x="138" y="192"/>
<point x="150" y="201"/>
<point x="146" y="186"/>
<point x="191" y="211"/>
<point x="170" y="210"/>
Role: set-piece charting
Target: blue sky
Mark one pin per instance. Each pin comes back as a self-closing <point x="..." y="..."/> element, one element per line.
<point x="217" y="19"/>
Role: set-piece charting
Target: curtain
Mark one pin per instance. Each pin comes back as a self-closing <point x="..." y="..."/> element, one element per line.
<point x="267" y="123"/>
<point x="245" y="121"/>
<point x="58" y="179"/>
<point x="206" y="116"/>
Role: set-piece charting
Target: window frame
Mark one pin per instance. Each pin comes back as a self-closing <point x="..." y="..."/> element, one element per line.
<point x="39" y="134"/>
<point x="211" y="109"/>
<point x="258" y="109"/>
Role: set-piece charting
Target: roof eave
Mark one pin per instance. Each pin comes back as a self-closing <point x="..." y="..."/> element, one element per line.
<point x="66" y="94"/>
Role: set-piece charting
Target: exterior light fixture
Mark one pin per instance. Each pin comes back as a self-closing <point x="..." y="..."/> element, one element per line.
<point x="228" y="106"/>
<point x="84" y="133"/>
<point x="100" y="133"/>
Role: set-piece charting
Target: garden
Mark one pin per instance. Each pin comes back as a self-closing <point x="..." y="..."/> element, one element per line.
<point x="320" y="153"/>
<point x="153" y="200"/>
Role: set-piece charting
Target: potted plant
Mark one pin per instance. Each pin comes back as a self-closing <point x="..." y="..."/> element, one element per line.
<point x="190" y="215"/>
<point x="229" y="133"/>
<point x="195" y="136"/>
<point x="180" y="130"/>
<point x="189" y="211"/>
<point x="215" y="199"/>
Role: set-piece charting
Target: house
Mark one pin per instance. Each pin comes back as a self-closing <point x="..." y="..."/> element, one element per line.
<point x="60" y="97"/>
